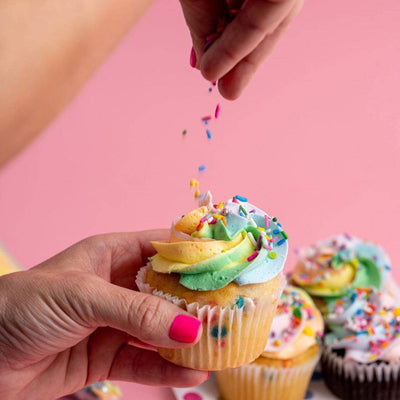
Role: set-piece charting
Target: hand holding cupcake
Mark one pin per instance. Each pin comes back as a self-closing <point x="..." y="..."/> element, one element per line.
<point x="223" y="263"/>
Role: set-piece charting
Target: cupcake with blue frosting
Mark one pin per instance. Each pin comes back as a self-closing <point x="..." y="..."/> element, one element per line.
<point x="223" y="263"/>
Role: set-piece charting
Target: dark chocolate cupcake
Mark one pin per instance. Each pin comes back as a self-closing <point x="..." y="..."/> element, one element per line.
<point x="361" y="355"/>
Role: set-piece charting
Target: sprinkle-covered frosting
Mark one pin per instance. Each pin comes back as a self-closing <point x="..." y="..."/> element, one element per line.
<point x="334" y="265"/>
<point x="296" y="327"/>
<point x="364" y="323"/>
<point x="216" y="244"/>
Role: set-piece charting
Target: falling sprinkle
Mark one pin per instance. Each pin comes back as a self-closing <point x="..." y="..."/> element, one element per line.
<point x="194" y="183"/>
<point x="202" y="167"/>
<point x="206" y="118"/>
<point x="184" y="132"/>
<point x="209" y="136"/>
<point x="217" y="110"/>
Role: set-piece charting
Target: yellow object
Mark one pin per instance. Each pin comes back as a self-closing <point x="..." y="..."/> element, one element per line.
<point x="190" y="252"/>
<point x="397" y="312"/>
<point x="308" y="331"/>
<point x="188" y="223"/>
<point x="7" y="264"/>
<point x="194" y="183"/>
<point x="334" y="283"/>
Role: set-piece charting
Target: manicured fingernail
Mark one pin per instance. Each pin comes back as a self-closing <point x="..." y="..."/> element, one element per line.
<point x="193" y="58"/>
<point x="184" y="329"/>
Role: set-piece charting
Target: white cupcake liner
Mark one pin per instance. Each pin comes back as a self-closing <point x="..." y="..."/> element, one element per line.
<point x="232" y="335"/>
<point x="352" y="380"/>
<point x="261" y="382"/>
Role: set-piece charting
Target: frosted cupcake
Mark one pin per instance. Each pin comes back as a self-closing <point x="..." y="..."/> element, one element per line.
<point x="284" y="369"/>
<point x="223" y="264"/>
<point x="361" y="356"/>
<point x="332" y="266"/>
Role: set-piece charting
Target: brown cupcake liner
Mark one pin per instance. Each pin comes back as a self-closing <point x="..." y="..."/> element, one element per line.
<point x="232" y="335"/>
<point x="350" y="380"/>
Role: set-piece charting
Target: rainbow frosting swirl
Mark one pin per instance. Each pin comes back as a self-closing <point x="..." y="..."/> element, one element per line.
<point x="365" y="324"/>
<point x="334" y="265"/>
<point x="216" y="244"/>
<point x="296" y="327"/>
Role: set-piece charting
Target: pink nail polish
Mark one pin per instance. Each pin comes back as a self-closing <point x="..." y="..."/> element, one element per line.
<point x="184" y="329"/>
<point x="193" y="58"/>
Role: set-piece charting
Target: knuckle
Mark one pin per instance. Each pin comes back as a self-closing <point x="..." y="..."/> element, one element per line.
<point x="147" y="312"/>
<point x="253" y="25"/>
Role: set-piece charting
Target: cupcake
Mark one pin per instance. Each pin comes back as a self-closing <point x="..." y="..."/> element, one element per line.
<point x="223" y="264"/>
<point x="361" y="355"/>
<point x="332" y="266"/>
<point x="284" y="369"/>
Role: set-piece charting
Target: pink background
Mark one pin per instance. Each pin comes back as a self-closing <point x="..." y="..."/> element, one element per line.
<point x="315" y="139"/>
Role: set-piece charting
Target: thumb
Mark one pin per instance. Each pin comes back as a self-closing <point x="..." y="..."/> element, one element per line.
<point x="149" y="318"/>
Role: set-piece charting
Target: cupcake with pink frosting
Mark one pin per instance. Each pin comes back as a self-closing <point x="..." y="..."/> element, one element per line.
<point x="284" y="369"/>
<point x="361" y="356"/>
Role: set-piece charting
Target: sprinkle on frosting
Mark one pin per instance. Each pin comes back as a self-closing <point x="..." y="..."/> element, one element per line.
<point x="338" y="263"/>
<point x="365" y="324"/>
<point x="220" y="243"/>
<point x="297" y="325"/>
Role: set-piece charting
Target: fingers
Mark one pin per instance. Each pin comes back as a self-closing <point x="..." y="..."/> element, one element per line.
<point x="115" y="257"/>
<point x="149" y="368"/>
<point x="256" y="20"/>
<point x="232" y="84"/>
<point x="148" y="318"/>
<point x="202" y="19"/>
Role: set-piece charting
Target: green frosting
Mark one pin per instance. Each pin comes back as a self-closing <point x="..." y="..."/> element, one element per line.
<point x="217" y="279"/>
<point x="368" y="274"/>
<point x="220" y="261"/>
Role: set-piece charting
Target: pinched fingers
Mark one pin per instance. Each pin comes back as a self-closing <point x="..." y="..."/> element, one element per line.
<point x="255" y="20"/>
<point x="232" y="83"/>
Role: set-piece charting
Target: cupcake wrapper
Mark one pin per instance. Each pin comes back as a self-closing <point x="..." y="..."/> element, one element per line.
<point x="354" y="381"/>
<point x="260" y="382"/>
<point x="232" y="335"/>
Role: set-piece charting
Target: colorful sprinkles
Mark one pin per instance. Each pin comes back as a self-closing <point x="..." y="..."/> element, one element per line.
<point x="369" y="320"/>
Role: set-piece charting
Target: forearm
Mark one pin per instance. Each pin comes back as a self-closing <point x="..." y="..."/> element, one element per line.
<point x="48" y="49"/>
